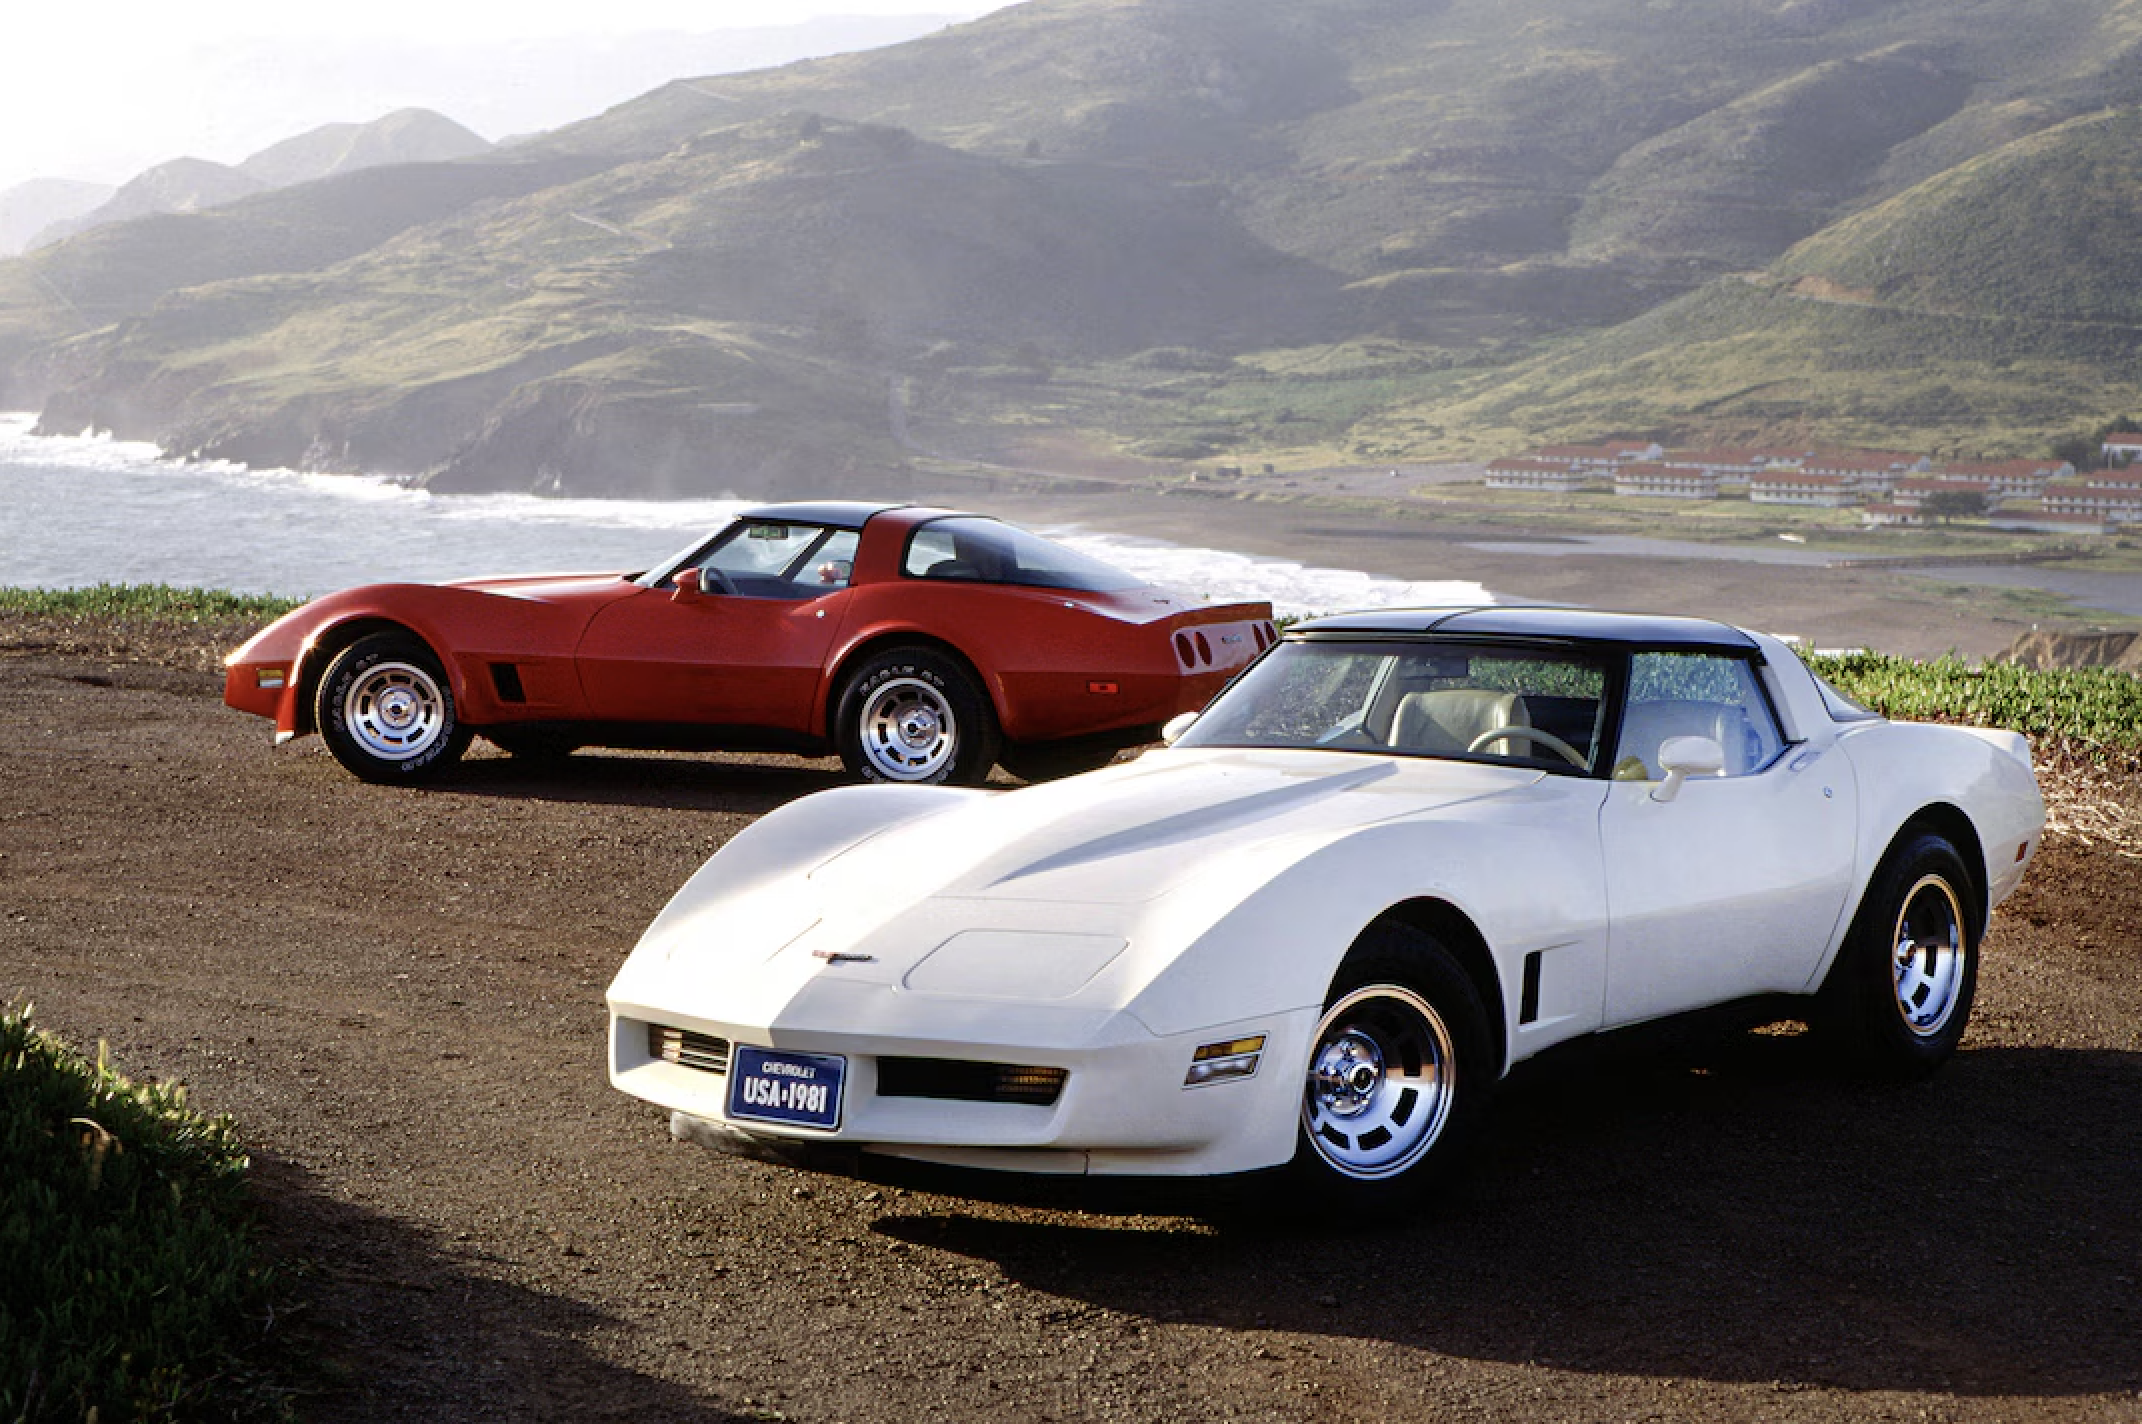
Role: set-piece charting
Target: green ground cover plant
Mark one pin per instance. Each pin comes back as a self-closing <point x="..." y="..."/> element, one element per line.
<point x="156" y="601"/>
<point x="132" y="1282"/>
<point x="2091" y="716"/>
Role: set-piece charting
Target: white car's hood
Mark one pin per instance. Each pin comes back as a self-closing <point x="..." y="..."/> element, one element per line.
<point x="1128" y="835"/>
<point x="1025" y="896"/>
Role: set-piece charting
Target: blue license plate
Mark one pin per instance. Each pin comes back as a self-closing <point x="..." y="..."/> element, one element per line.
<point x="795" y="1089"/>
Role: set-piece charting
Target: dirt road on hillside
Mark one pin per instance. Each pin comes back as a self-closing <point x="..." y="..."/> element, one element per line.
<point x="399" y="995"/>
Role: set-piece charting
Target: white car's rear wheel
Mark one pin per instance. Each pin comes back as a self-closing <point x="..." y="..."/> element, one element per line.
<point x="1899" y="996"/>
<point x="1398" y="1077"/>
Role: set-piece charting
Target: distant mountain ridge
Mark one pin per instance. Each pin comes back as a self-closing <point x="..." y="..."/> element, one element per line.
<point x="404" y="136"/>
<point x="1454" y="226"/>
<point x="187" y="185"/>
<point x="29" y="208"/>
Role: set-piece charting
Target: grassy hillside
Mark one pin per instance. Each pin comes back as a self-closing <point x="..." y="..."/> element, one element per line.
<point x="1993" y="309"/>
<point x="2042" y="228"/>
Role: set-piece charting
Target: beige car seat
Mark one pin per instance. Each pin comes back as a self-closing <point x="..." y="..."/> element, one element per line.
<point x="1449" y="720"/>
<point x="1646" y="726"/>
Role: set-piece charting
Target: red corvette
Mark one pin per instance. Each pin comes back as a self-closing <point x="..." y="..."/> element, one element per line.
<point x="920" y="644"/>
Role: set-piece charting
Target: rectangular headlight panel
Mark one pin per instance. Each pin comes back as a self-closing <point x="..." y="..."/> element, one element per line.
<point x="1218" y="1062"/>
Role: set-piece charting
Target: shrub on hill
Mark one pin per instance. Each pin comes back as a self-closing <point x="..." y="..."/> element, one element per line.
<point x="131" y="1267"/>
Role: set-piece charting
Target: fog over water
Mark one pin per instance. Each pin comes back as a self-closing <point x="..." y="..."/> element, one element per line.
<point x="78" y="511"/>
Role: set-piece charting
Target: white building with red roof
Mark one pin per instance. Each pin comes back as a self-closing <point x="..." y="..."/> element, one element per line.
<point x="2011" y="479"/>
<point x="1538" y="475"/>
<point x="1915" y="491"/>
<point x="1824" y="490"/>
<point x="2117" y="498"/>
<point x="1654" y="479"/>
<point x="1890" y="516"/>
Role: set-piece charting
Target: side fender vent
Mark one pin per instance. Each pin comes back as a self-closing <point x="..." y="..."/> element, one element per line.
<point x="507" y="679"/>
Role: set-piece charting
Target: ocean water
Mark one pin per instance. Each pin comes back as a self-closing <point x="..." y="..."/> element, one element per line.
<point x="77" y="511"/>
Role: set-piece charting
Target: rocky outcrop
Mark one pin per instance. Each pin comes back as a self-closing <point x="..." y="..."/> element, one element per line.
<point x="2076" y="650"/>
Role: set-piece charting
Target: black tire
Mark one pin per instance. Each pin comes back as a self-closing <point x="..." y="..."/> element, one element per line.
<point x="1897" y="1000"/>
<point x="1398" y="1081"/>
<point x="385" y="708"/>
<point x="917" y="716"/>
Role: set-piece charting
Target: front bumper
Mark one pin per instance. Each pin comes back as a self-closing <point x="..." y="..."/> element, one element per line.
<point x="1123" y="1109"/>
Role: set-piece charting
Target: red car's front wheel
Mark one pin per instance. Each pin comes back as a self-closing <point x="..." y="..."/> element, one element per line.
<point x="915" y="715"/>
<point x="386" y="710"/>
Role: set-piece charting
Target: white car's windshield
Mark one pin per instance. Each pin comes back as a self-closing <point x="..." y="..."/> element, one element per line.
<point x="1467" y="700"/>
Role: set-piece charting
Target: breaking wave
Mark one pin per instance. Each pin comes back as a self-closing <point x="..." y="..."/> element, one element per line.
<point x="88" y="509"/>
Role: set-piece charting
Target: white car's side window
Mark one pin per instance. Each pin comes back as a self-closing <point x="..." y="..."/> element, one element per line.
<point x="1695" y="695"/>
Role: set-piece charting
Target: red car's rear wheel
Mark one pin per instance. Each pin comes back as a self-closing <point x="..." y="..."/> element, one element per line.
<point x="915" y="715"/>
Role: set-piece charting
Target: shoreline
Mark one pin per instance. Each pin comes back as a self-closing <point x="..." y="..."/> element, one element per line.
<point x="1366" y="520"/>
<point x="1827" y="605"/>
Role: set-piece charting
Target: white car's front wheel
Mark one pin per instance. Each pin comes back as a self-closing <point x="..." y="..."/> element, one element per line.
<point x="1398" y="1076"/>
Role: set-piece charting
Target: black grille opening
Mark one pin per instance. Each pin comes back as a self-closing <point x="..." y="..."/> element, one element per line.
<point x="969" y="1082"/>
<point x="694" y="1050"/>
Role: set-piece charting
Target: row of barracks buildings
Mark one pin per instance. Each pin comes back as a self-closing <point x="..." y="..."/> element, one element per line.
<point x="1886" y="488"/>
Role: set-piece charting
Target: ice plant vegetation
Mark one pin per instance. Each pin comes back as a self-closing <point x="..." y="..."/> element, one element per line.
<point x="132" y="1281"/>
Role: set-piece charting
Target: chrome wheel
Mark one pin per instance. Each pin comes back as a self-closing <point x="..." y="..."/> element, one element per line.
<point x="395" y="711"/>
<point x="1927" y="955"/>
<point x="908" y="731"/>
<point x="1382" y="1079"/>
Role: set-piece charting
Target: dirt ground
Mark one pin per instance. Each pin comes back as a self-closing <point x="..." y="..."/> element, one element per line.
<point x="399" y="995"/>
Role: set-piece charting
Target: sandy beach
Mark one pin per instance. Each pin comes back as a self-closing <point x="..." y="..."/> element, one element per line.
<point x="1356" y="520"/>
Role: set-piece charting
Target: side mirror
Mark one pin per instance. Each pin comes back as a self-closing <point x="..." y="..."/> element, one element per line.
<point x="1683" y="757"/>
<point x="1171" y="731"/>
<point x="687" y="582"/>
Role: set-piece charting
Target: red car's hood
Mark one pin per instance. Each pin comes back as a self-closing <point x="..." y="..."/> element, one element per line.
<point x="550" y="588"/>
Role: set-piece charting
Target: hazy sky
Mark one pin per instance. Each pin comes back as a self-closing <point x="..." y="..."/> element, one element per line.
<point x="101" y="89"/>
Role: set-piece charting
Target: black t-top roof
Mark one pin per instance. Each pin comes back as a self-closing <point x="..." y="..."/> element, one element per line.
<point x="1568" y="625"/>
<point x="833" y="513"/>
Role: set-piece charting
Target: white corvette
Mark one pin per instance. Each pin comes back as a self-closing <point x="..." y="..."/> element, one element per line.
<point x="1401" y="853"/>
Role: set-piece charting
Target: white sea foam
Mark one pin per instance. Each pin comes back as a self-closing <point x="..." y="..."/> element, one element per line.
<point x="86" y="509"/>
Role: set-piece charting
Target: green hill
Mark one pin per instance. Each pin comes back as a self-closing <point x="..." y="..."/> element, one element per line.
<point x="1992" y="309"/>
<point x="1388" y="227"/>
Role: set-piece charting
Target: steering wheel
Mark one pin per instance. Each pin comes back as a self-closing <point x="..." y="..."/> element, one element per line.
<point x="713" y="580"/>
<point x="1532" y="734"/>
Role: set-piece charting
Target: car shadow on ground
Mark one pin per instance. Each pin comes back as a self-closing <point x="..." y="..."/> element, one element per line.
<point x="380" y="1322"/>
<point x="1749" y="1218"/>
<point x="667" y="781"/>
